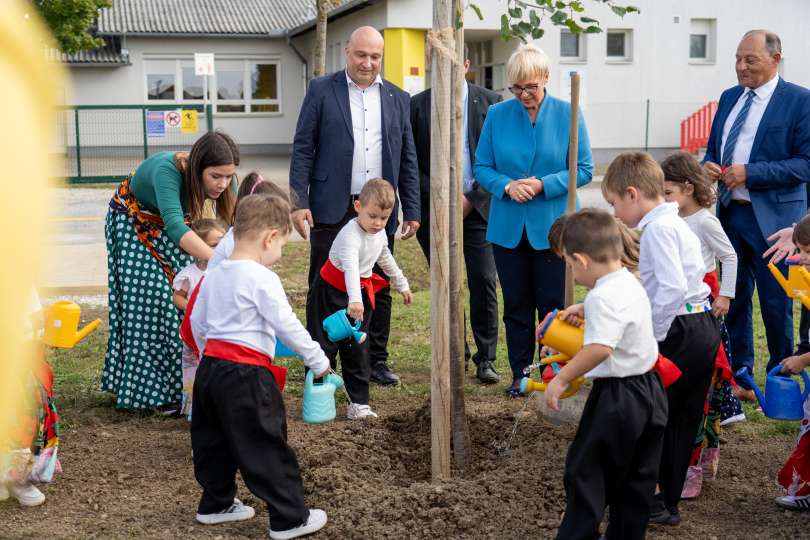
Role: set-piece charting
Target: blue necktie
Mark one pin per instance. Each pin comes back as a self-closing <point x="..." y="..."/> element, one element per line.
<point x="723" y="194"/>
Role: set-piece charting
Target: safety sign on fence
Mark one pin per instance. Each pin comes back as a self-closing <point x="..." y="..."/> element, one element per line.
<point x="155" y="124"/>
<point x="173" y="118"/>
<point x="189" y="122"/>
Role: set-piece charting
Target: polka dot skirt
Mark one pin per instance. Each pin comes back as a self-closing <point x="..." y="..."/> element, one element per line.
<point x="142" y="365"/>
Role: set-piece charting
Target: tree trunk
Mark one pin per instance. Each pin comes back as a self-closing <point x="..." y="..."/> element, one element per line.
<point x="441" y="80"/>
<point x="460" y="430"/>
<point x="319" y="67"/>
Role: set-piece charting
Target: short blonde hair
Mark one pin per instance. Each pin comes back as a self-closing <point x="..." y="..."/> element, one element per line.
<point x="634" y="169"/>
<point x="528" y="62"/>
<point x="378" y="191"/>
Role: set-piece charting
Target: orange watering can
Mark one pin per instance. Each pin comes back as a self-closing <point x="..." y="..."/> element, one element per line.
<point x="62" y="325"/>
<point x="797" y="283"/>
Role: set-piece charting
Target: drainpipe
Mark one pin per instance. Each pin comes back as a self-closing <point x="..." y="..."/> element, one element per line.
<point x="300" y="56"/>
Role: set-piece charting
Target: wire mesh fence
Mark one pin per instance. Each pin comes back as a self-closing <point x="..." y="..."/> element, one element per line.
<point x="101" y="143"/>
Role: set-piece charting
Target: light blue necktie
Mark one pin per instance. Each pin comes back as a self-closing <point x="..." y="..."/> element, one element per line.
<point x="723" y="194"/>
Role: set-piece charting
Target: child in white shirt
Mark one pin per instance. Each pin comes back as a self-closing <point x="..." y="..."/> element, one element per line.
<point x="614" y="457"/>
<point x="672" y="269"/>
<point x="211" y="231"/>
<point x="346" y="282"/>
<point x="239" y="420"/>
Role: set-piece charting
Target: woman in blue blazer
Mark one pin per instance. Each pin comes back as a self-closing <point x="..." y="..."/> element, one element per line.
<point x="522" y="159"/>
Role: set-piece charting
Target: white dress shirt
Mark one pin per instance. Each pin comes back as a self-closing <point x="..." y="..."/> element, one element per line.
<point x="745" y="141"/>
<point x="244" y="303"/>
<point x="671" y="267"/>
<point x="617" y="315"/>
<point x="366" y="110"/>
<point x="714" y="244"/>
<point x="355" y="252"/>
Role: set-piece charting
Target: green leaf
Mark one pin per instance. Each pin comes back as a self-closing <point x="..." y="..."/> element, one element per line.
<point x="515" y="13"/>
<point x="559" y="17"/>
<point x="573" y="26"/>
<point x="577" y="6"/>
<point x="632" y="9"/>
<point x="593" y="29"/>
<point x="560" y="5"/>
<point x="619" y="10"/>
<point x="525" y="28"/>
<point x="533" y="18"/>
<point x="70" y="22"/>
<point x="477" y="11"/>
<point x="588" y="20"/>
<point x="537" y="33"/>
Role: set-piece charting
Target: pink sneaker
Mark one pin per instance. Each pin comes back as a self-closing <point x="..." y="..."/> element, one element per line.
<point x="709" y="462"/>
<point x="694" y="481"/>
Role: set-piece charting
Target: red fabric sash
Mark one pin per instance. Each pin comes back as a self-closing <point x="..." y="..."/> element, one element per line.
<point x="185" y="326"/>
<point x="667" y="370"/>
<point x="334" y="277"/>
<point x="721" y="359"/>
<point x="240" y="354"/>
<point x="711" y="280"/>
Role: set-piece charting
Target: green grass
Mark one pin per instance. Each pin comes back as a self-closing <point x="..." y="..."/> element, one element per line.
<point x="78" y="370"/>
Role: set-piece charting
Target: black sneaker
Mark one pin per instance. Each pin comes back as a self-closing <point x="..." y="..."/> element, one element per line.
<point x="380" y="374"/>
<point x="666" y="516"/>
<point x="486" y="374"/>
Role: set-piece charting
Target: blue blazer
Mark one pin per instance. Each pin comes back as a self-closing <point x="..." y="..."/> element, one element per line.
<point x="323" y="148"/>
<point x="778" y="170"/>
<point x="511" y="148"/>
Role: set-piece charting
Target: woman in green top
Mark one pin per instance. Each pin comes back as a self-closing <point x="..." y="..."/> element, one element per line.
<point x="148" y="241"/>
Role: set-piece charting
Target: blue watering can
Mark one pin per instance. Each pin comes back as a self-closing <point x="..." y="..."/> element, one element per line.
<point x="319" y="399"/>
<point x="283" y="350"/>
<point x="783" y="398"/>
<point x="338" y="328"/>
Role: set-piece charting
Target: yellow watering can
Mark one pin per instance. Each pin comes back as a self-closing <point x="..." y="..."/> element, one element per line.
<point x="62" y="325"/>
<point x="797" y="283"/>
<point x="527" y="386"/>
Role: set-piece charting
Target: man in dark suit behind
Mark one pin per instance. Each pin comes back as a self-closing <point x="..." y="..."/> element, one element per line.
<point x="354" y="126"/>
<point x="759" y="153"/>
<point x="481" y="274"/>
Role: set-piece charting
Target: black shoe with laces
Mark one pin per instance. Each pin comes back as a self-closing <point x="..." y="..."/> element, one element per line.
<point x="486" y="374"/>
<point x="380" y="374"/>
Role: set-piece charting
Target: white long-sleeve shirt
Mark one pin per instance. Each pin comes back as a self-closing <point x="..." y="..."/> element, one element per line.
<point x="714" y="244"/>
<point x="671" y="266"/>
<point x="366" y="110"/>
<point x="222" y="251"/>
<point x="355" y="252"/>
<point x="243" y="302"/>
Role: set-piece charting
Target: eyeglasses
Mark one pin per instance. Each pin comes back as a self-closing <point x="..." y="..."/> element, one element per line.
<point x="530" y="89"/>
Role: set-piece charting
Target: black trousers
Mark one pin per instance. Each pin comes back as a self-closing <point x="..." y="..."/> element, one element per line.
<point x="692" y="343"/>
<point x="614" y="457"/>
<point x="239" y="422"/>
<point x="353" y="356"/>
<point x="532" y="283"/>
<point x="481" y="281"/>
<point x="321" y="237"/>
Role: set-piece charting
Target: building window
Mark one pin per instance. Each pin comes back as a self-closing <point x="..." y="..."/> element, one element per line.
<point x="487" y="73"/>
<point x="620" y="45"/>
<point x="572" y="46"/>
<point x="160" y="87"/>
<point x="702" y="39"/>
<point x="193" y="85"/>
<point x="264" y="87"/>
<point x="230" y="87"/>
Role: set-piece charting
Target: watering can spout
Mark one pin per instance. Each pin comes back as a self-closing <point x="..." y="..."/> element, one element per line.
<point x="84" y="332"/>
<point x="743" y="375"/>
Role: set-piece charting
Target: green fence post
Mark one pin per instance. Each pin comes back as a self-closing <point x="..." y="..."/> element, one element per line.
<point x="145" y="139"/>
<point x="209" y="117"/>
<point x="78" y="145"/>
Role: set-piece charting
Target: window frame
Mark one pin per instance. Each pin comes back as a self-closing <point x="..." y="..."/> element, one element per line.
<point x="627" y="58"/>
<point x="582" y="57"/>
<point x="477" y="52"/>
<point x="703" y="27"/>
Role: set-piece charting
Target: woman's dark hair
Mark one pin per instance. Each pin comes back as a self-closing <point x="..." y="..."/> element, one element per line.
<point x="213" y="149"/>
<point x="682" y="168"/>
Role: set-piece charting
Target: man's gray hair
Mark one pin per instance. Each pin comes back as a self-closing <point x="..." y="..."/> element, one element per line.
<point x="772" y="41"/>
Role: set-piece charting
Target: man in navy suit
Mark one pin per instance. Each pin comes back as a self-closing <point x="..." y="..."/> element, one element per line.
<point x="759" y="153"/>
<point x="354" y="126"/>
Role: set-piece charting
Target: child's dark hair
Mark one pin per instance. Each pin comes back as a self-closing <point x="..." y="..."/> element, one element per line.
<point x="555" y="233"/>
<point x="594" y="233"/>
<point x="205" y="225"/>
<point x="213" y="149"/>
<point x="683" y="168"/>
<point x="801" y="232"/>
<point x="256" y="213"/>
<point x="255" y="184"/>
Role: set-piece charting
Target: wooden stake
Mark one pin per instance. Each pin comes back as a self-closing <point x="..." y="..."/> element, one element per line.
<point x="441" y="78"/>
<point x="573" y="152"/>
<point x="458" y="417"/>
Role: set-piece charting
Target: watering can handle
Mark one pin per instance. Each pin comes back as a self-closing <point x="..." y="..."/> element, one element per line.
<point x="554" y="359"/>
<point x="310" y="378"/>
<point x="779" y="277"/>
<point x="806" y="384"/>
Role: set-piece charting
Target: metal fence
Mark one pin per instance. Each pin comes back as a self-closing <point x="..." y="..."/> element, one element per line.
<point x="104" y="143"/>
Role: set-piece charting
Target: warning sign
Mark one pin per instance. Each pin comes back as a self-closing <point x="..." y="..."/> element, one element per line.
<point x="173" y="118"/>
<point x="155" y="124"/>
<point x="189" y="122"/>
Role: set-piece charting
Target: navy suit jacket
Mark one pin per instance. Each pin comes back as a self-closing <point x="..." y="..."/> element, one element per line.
<point x="323" y="148"/>
<point x="778" y="170"/>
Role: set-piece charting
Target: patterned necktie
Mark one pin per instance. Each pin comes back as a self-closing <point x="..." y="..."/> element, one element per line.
<point x="723" y="193"/>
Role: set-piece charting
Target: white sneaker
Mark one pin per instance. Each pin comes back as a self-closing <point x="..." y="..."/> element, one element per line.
<point x="315" y="522"/>
<point x="235" y="512"/>
<point x="356" y="412"/>
<point x="733" y="419"/>
<point x="26" y="494"/>
<point x="3" y="491"/>
<point x="794" y="503"/>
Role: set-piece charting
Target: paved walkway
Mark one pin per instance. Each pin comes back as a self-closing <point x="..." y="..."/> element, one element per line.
<point x="76" y="260"/>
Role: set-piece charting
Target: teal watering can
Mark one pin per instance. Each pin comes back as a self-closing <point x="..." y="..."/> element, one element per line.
<point x="783" y="398"/>
<point x="319" y="399"/>
<point x="338" y="328"/>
